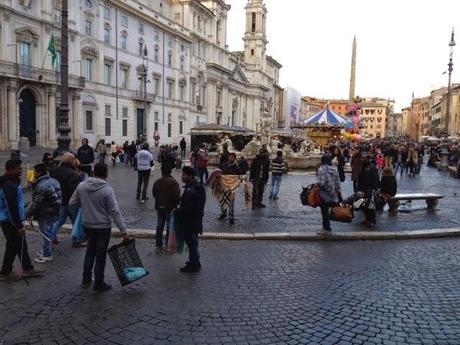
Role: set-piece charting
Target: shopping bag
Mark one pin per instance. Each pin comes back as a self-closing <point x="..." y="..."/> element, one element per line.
<point x="126" y="262"/>
<point x="78" y="232"/>
<point x="310" y="196"/>
<point x="342" y="213"/>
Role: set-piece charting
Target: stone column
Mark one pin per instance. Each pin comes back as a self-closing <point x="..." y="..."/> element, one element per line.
<point x="12" y="115"/>
<point x="52" y="117"/>
<point x="75" y="119"/>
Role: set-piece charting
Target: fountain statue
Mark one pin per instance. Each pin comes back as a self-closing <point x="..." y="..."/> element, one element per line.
<point x="225" y="141"/>
<point x="275" y="145"/>
<point x="306" y="146"/>
<point x="252" y="148"/>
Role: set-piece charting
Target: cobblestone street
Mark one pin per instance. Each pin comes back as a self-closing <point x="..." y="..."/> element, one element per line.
<point x="287" y="214"/>
<point x="251" y="292"/>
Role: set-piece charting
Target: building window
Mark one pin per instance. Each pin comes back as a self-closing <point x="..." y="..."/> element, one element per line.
<point x="156" y="36"/>
<point x="124" y="78"/>
<point x="106" y="12"/>
<point x="108" y="110"/>
<point x="156" y="54"/>
<point x="124" y="112"/>
<point x="89" y="120"/>
<point x="88" y="69"/>
<point x="169" y="58"/>
<point x="219" y="98"/>
<point x="252" y="52"/>
<point x="156" y="116"/>
<point x="107" y="74"/>
<point x="124" y="42"/>
<point x="169" y="130"/>
<point x="193" y="89"/>
<point x="88" y="27"/>
<point x="182" y="59"/>
<point x="182" y="92"/>
<point x="124" y="124"/>
<point x="169" y="117"/>
<point x="24" y="53"/>
<point x="124" y="20"/>
<point x="141" y="28"/>
<point x="107" y="36"/>
<point x="253" y="25"/>
<point x="156" y="85"/>
<point x="108" y="126"/>
<point x="170" y="89"/>
<point x="155" y="126"/>
<point x="181" y="127"/>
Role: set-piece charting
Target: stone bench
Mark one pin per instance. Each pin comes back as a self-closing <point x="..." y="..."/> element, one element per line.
<point x="430" y="198"/>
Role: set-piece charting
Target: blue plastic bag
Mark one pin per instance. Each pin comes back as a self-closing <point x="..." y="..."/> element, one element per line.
<point x="135" y="273"/>
<point x="78" y="232"/>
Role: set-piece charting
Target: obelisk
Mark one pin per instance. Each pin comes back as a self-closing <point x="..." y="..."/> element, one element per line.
<point x="351" y="95"/>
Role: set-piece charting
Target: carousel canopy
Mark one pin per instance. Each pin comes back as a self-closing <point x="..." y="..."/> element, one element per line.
<point x="325" y="117"/>
<point x="212" y="128"/>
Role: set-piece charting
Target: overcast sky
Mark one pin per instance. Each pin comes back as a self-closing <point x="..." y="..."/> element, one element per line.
<point x="402" y="45"/>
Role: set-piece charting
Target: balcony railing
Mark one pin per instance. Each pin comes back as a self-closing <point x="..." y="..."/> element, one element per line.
<point x="15" y="70"/>
<point x="140" y="95"/>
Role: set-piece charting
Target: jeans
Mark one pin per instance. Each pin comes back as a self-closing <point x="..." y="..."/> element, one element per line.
<point x="143" y="178"/>
<point x="164" y="217"/>
<point x="326" y="217"/>
<point x="191" y="239"/>
<point x="276" y="182"/>
<point x="16" y="245"/>
<point x="399" y="165"/>
<point x="64" y="212"/>
<point x="101" y="157"/>
<point x="201" y="172"/>
<point x="231" y="210"/>
<point x="182" y="153"/>
<point x="46" y="226"/>
<point x="96" y="250"/>
<point x="258" y="192"/>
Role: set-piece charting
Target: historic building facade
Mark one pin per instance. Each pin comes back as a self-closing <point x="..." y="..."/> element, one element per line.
<point x="136" y="68"/>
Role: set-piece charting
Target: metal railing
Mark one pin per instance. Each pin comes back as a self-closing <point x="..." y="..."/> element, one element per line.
<point x="141" y="95"/>
<point x="15" y="70"/>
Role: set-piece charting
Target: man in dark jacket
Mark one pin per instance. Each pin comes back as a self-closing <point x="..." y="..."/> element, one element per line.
<point x="46" y="201"/>
<point x="368" y="183"/>
<point x="85" y="155"/>
<point x="12" y="216"/>
<point x="190" y="217"/>
<point x="166" y="192"/>
<point x="259" y="176"/>
<point x="183" y="147"/>
<point x="67" y="176"/>
<point x="231" y="167"/>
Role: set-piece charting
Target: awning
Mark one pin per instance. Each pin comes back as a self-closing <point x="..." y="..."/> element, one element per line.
<point x="325" y="117"/>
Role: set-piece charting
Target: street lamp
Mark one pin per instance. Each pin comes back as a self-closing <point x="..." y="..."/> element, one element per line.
<point x="444" y="164"/>
<point x="143" y="78"/>
<point x="63" y="128"/>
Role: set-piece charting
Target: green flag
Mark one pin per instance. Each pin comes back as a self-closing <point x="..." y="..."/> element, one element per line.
<point x="52" y="49"/>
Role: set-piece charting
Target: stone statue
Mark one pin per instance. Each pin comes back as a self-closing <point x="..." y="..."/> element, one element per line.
<point x="305" y="147"/>
<point x="275" y="145"/>
<point x="225" y="141"/>
<point x="252" y="148"/>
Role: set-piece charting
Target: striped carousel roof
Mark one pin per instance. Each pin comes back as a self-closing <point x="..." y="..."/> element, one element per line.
<point x="325" y="117"/>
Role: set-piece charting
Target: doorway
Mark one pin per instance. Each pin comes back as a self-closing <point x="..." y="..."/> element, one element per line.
<point x="140" y="123"/>
<point x="27" y="117"/>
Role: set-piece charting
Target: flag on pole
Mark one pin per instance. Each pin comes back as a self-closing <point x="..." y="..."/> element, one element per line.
<point x="52" y="49"/>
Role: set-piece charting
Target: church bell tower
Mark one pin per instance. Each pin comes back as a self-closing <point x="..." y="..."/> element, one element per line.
<point x="255" y="36"/>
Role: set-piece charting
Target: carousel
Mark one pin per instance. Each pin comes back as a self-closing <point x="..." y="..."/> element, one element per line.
<point x="323" y="127"/>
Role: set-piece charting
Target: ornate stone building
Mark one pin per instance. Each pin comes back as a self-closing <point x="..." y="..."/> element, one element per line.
<point x="137" y="67"/>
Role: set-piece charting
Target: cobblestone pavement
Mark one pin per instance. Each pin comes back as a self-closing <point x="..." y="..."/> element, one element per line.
<point x="249" y="292"/>
<point x="287" y="214"/>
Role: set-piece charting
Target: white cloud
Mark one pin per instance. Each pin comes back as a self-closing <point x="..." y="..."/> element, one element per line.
<point x="402" y="44"/>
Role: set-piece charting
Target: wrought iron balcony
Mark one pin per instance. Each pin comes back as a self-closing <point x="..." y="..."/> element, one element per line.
<point x="140" y="95"/>
<point x="46" y="76"/>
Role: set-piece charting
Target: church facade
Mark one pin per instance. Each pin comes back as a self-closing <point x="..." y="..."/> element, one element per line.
<point x="136" y="68"/>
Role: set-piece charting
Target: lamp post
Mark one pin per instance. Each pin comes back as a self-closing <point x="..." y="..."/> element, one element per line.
<point x="63" y="128"/>
<point x="444" y="164"/>
<point x="145" y="62"/>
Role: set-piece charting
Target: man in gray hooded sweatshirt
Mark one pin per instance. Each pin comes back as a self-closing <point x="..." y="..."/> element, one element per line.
<point x="98" y="206"/>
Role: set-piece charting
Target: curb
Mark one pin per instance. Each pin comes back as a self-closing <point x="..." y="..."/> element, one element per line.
<point x="300" y="236"/>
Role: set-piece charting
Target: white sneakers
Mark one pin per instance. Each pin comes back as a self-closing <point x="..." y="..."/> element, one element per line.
<point x="40" y="259"/>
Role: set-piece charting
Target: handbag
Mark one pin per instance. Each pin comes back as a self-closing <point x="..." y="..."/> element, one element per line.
<point x="310" y="196"/>
<point x="342" y="213"/>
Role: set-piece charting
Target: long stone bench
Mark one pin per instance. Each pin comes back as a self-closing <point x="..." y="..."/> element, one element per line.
<point x="430" y="198"/>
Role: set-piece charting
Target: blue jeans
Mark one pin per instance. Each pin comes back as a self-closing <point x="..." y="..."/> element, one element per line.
<point x="96" y="250"/>
<point x="46" y="227"/>
<point x="191" y="240"/>
<point x="164" y="217"/>
<point x="64" y="212"/>
<point x="276" y="182"/>
<point x="203" y="172"/>
<point x="231" y="210"/>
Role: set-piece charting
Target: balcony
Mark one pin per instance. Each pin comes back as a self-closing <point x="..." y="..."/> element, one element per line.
<point x="46" y="76"/>
<point x="141" y="96"/>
